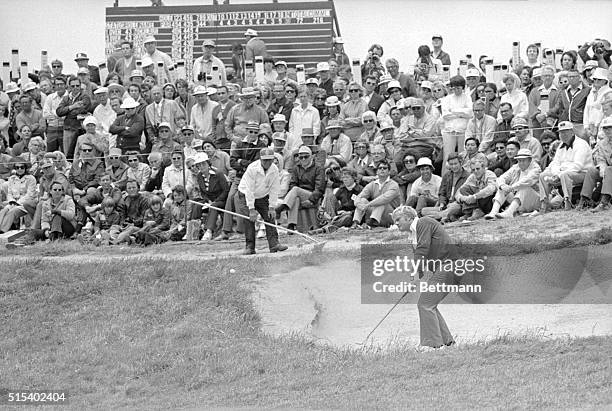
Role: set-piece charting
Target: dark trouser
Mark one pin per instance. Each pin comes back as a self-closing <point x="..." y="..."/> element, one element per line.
<point x="433" y="328"/>
<point x="211" y="221"/>
<point x="262" y="206"/>
<point x="419" y="203"/>
<point x="485" y="204"/>
<point x="55" y="139"/>
<point x="60" y="228"/>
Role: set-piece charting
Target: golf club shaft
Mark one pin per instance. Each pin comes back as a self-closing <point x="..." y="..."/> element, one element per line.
<point x="383" y="319"/>
<point x="278" y="227"/>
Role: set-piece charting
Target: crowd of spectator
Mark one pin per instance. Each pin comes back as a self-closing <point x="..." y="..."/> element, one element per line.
<point x="132" y="156"/>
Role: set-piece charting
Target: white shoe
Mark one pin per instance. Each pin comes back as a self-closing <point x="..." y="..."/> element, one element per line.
<point x="207" y="236"/>
<point x="424" y="349"/>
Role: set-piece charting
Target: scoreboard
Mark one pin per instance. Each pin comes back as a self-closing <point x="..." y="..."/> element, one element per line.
<point x="298" y="33"/>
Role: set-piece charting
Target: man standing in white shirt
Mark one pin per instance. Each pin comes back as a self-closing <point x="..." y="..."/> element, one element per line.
<point x="456" y="111"/>
<point x="204" y="64"/>
<point x="150" y="45"/>
<point x="257" y="193"/>
<point x="201" y="113"/>
<point x="482" y="127"/>
<point x="55" y="123"/>
<point x="572" y="160"/>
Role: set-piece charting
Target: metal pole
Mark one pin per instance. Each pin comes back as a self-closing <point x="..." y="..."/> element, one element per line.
<point x="185" y="186"/>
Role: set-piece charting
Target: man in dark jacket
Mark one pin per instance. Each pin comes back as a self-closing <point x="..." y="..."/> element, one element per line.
<point x="432" y="244"/>
<point x="74" y="103"/>
<point x="571" y="103"/>
<point x="305" y="188"/>
<point x="213" y="189"/>
<point x="451" y="181"/>
<point x="133" y="212"/>
<point x="86" y="172"/>
<point x="128" y="126"/>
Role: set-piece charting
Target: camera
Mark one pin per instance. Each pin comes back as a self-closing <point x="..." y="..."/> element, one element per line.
<point x="201" y="76"/>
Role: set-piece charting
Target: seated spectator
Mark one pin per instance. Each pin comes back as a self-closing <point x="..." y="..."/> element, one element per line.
<point x="174" y="175"/>
<point x="417" y="131"/>
<point x="180" y="211"/>
<point x="408" y="175"/>
<point x="525" y="139"/>
<point x="107" y="224"/>
<point x="35" y="154"/>
<point x="133" y="213"/>
<point x="156" y="223"/>
<point x="213" y="189"/>
<point x="482" y="127"/>
<point x="601" y="172"/>
<point x="505" y="125"/>
<point x="164" y="143"/>
<point x="377" y="200"/>
<point x="475" y="196"/>
<point x="345" y="207"/>
<point x="386" y="139"/>
<point x="93" y="138"/>
<point x="379" y="154"/>
<point x="502" y="162"/>
<point x="138" y="171"/>
<point x="447" y="207"/>
<point x="308" y="140"/>
<point x="20" y="196"/>
<point x="219" y="160"/>
<point x="58" y="215"/>
<point x="546" y="140"/>
<point x="336" y="143"/>
<point x="86" y="172"/>
<point x="568" y="168"/>
<point x="471" y="152"/>
<point x="515" y="96"/>
<point x="305" y="189"/>
<point x="154" y="184"/>
<point x="424" y="191"/>
<point x="370" y="130"/>
<point x="116" y="168"/>
<point x="25" y="135"/>
<point x="5" y="161"/>
<point x="517" y="187"/>
<point x="361" y="158"/>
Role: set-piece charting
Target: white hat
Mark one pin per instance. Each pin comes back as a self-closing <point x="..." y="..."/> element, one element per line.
<point x="251" y="32"/>
<point x="83" y="70"/>
<point x="385" y="125"/>
<point x="278" y="117"/>
<point x="199" y="90"/>
<point x="385" y="78"/>
<point x="472" y="73"/>
<point x="600" y="74"/>
<point x="146" y="61"/>
<point x="11" y="87"/>
<point x="90" y="120"/>
<point x="394" y="84"/>
<point x="279" y="136"/>
<point x="523" y="153"/>
<point x="129" y="102"/>
<point x="136" y="73"/>
<point x="312" y="80"/>
<point x="427" y="84"/>
<point x="305" y="150"/>
<point x="29" y="86"/>
<point x="149" y="39"/>
<point x="566" y="125"/>
<point x="200" y="158"/>
<point x="323" y="66"/>
<point x="211" y="90"/>
<point x="332" y="101"/>
<point x="424" y="161"/>
<point x="590" y="64"/>
<point x="164" y="124"/>
<point x="338" y="40"/>
<point x="101" y="90"/>
<point x="280" y="63"/>
<point x="81" y="56"/>
<point x="266" y="154"/>
<point x="537" y="72"/>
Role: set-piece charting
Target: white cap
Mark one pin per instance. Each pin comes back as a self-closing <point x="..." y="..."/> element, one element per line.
<point x="164" y="124"/>
<point x="280" y="63"/>
<point x="600" y="74"/>
<point x="427" y="84"/>
<point x="200" y="158"/>
<point x="211" y="90"/>
<point x="472" y="73"/>
<point x="566" y="125"/>
<point x="101" y="90"/>
<point x="90" y="120"/>
<point x="537" y="72"/>
<point x="312" y="80"/>
<point x="394" y="84"/>
<point x="29" y="86"/>
<point x="147" y="61"/>
<point x="129" y="102"/>
<point x="251" y="32"/>
<point x="149" y="39"/>
<point x="424" y="161"/>
<point x="324" y="66"/>
<point x="199" y="90"/>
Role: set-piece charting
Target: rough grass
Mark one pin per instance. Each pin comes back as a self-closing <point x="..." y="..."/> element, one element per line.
<point x="158" y="335"/>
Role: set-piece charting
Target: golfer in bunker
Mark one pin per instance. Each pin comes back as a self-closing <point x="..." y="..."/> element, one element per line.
<point x="430" y="243"/>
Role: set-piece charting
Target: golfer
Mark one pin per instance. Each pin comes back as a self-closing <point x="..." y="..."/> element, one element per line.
<point x="430" y="242"/>
<point x="257" y="193"/>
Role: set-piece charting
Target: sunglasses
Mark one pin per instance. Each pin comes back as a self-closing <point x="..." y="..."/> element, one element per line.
<point x="253" y="131"/>
<point x="414" y="108"/>
<point x="368" y="121"/>
<point x="187" y="134"/>
<point x="378" y="152"/>
<point x="354" y="91"/>
<point x="114" y="158"/>
<point x="383" y="168"/>
<point x="75" y="85"/>
<point x="290" y="91"/>
<point x="336" y="168"/>
<point x="319" y="98"/>
<point x="360" y="147"/>
<point x="409" y="161"/>
<point x="177" y="158"/>
<point x="488" y="91"/>
<point x="56" y="66"/>
<point x="370" y="83"/>
<point x="57" y="189"/>
<point x="133" y="161"/>
<point x="87" y="150"/>
<point x="20" y="167"/>
<point x="437" y="90"/>
<point x="304" y="157"/>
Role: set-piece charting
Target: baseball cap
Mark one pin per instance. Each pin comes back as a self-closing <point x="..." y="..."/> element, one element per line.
<point x="83" y="70"/>
<point x="149" y="39"/>
<point x="200" y="158"/>
<point x="81" y="56"/>
<point x="305" y="150"/>
<point x="280" y="63"/>
<point x="324" y="66"/>
<point x="209" y="43"/>
<point x="164" y="124"/>
<point x="266" y="154"/>
<point x="566" y="125"/>
<point x="101" y="90"/>
<point x="519" y="121"/>
<point x="472" y="73"/>
<point x="278" y="117"/>
<point x="312" y="80"/>
<point x="279" y="136"/>
<point x="523" y="153"/>
<point x="90" y="120"/>
<point x="199" y="90"/>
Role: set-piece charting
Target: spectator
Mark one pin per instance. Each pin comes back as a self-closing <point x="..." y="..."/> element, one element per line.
<point x="456" y="111"/>
<point x="213" y="189"/>
<point x="156" y="223"/>
<point x="31" y="117"/>
<point x="482" y="127"/>
<point x="568" y="168"/>
<point x="515" y="96"/>
<point x="371" y="131"/>
<point x="395" y="94"/>
<point x="140" y="172"/>
<point x="303" y="116"/>
<point x="424" y="190"/>
<point x="128" y="126"/>
<point x="518" y="186"/>
<point x="475" y="196"/>
<point x="132" y="214"/>
<point x="55" y="124"/>
<point x="447" y="207"/>
<point x="93" y="72"/>
<point x="525" y="140"/>
<point x="337" y="144"/>
<point x="174" y="176"/>
<point x="377" y="200"/>
<point x="127" y="63"/>
<point x="20" y="196"/>
<point x="203" y="65"/>
<point x="157" y="56"/>
<point x="242" y="114"/>
<point x="571" y="103"/>
<point x="593" y="113"/>
<point x="58" y="214"/>
<point x="544" y="97"/>
<point x="325" y="80"/>
<point x="504" y="127"/>
<point x="471" y="152"/>
<point x="601" y="172"/>
<point x="160" y="111"/>
<point x="351" y="111"/>
<point x="338" y="53"/>
<point x="437" y="52"/>
<point x="255" y="46"/>
<point x="371" y="97"/>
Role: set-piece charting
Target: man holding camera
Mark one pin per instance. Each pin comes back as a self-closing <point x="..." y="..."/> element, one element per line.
<point x="203" y="65"/>
<point x="600" y="50"/>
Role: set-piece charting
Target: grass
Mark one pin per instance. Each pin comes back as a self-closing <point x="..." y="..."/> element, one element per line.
<point x="159" y="335"/>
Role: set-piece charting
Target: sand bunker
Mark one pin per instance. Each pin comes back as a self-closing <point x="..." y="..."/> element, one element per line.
<point x="324" y="302"/>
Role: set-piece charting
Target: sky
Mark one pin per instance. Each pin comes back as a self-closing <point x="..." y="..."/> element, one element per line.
<point x="65" y="27"/>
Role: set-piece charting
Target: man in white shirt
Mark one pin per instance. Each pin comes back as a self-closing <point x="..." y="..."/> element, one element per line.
<point x="103" y="112"/>
<point x="204" y="64"/>
<point x="517" y="186"/>
<point x="159" y="111"/>
<point x="482" y="127"/>
<point x="336" y="143"/>
<point x="569" y="166"/>
<point x="150" y="45"/>
<point x="55" y="123"/>
<point x="257" y="193"/>
<point x="201" y="113"/>
<point x="520" y="127"/>
<point x="424" y="191"/>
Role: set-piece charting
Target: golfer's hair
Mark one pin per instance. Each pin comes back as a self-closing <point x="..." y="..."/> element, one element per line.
<point x="404" y="210"/>
<point x="477" y="160"/>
